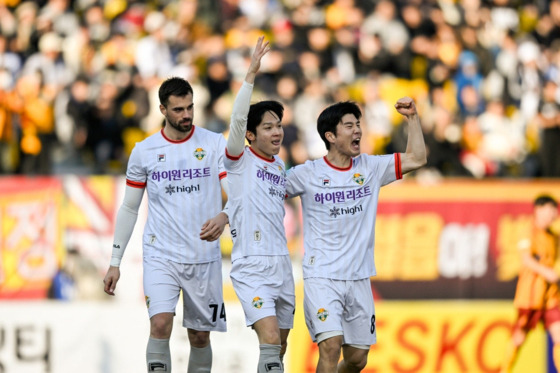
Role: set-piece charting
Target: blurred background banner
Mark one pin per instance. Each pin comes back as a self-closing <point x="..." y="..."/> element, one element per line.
<point x="446" y="255"/>
<point x="453" y="240"/>
<point x="435" y="336"/>
<point x="31" y="234"/>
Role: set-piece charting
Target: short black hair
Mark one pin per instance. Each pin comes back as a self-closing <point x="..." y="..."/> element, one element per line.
<point x="331" y="116"/>
<point x="545" y="199"/>
<point x="173" y="86"/>
<point x="257" y="111"/>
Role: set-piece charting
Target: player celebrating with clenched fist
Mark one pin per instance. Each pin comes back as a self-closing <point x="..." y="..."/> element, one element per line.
<point x="339" y="200"/>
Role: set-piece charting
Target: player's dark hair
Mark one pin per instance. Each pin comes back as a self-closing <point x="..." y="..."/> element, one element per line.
<point x="257" y="111"/>
<point x="174" y="86"/>
<point x="544" y="200"/>
<point x="331" y="116"/>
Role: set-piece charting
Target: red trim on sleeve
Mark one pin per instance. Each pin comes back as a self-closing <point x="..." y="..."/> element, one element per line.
<point x="135" y="184"/>
<point x="398" y="166"/>
<point x="234" y="157"/>
<point x="222" y="175"/>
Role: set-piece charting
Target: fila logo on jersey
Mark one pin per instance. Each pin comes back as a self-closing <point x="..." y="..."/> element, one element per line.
<point x="325" y="182"/>
<point x="358" y="178"/>
<point x="199" y="153"/>
<point x="322" y="314"/>
<point x="257" y="302"/>
<point x="161" y="157"/>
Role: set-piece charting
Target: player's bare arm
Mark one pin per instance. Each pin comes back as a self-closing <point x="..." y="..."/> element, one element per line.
<point x="111" y="279"/>
<point x="415" y="155"/>
<point x="261" y="49"/>
<point x="212" y="229"/>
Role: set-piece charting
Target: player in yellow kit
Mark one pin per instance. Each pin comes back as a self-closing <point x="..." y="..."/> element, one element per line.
<point x="537" y="297"/>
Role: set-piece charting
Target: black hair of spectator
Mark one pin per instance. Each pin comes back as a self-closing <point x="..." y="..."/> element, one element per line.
<point x="545" y="200"/>
<point x="173" y="86"/>
<point x="257" y="111"/>
<point x="332" y="116"/>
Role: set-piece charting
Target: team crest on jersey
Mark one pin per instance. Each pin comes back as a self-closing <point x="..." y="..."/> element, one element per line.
<point x="322" y="314"/>
<point x="257" y="302"/>
<point x="199" y="153"/>
<point x="147" y="301"/>
<point x="161" y="157"/>
<point x="358" y="178"/>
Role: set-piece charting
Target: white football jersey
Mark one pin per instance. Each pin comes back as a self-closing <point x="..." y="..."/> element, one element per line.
<point x="339" y="209"/>
<point x="257" y="189"/>
<point x="182" y="179"/>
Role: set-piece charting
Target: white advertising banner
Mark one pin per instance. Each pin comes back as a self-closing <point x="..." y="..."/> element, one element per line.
<point x="106" y="337"/>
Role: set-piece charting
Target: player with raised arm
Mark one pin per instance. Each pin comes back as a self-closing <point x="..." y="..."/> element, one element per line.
<point x="181" y="168"/>
<point x="339" y="195"/>
<point x="261" y="267"/>
<point x="537" y="296"/>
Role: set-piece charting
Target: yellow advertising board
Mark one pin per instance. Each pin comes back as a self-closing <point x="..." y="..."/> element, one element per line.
<point x="433" y="337"/>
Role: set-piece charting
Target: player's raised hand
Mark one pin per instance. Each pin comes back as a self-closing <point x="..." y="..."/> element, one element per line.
<point x="111" y="279"/>
<point x="261" y="49"/>
<point x="406" y="106"/>
<point x="212" y="229"/>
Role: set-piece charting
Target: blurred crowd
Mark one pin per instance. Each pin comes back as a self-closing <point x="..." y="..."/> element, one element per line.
<point x="79" y="78"/>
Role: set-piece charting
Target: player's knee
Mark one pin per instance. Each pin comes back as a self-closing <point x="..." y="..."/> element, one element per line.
<point x="269" y="336"/>
<point x="160" y="326"/>
<point x="329" y="349"/>
<point x="199" y="339"/>
<point x="357" y="362"/>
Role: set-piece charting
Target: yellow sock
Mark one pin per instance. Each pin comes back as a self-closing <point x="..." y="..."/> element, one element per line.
<point x="510" y="356"/>
<point x="556" y="356"/>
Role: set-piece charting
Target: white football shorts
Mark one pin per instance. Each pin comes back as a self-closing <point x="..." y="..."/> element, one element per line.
<point x="265" y="287"/>
<point x="203" y="302"/>
<point x="340" y="306"/>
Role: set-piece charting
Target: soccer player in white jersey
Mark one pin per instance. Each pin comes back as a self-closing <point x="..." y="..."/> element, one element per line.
<point x="339" y="201"/>
<point x="261" y="267"/>
<point x="180" y="167"/>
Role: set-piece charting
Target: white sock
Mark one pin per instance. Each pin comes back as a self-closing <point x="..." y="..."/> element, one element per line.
<point x="269" y="359"/>
<point x="200" y="360"/>
<point x="158" y="356"/>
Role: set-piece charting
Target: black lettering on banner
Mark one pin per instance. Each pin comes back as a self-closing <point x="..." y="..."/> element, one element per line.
<point x="25" y="340"/>
<point x="215" y="312"/>
<point x="372" y="328"/>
